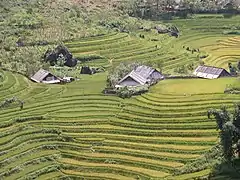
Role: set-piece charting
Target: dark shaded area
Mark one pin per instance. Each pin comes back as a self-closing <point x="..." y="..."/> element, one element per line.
<point x="52" y="56"/>
<point x="172" y="31"/>
<point x="86" y="70"/>
<point x="90" y="71"/>
<point x="87" y="58"/>
<point x="229" y="126"/>
<point x="226" y="171"/>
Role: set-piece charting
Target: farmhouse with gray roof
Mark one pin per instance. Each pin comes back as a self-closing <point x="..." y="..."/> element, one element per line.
<point x="210" y="72"/>
<point x="142" y="75"/>
<point x="43" y="76"/>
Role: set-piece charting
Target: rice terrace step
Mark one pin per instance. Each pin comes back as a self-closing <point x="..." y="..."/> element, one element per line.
<point x="72" y="130"/>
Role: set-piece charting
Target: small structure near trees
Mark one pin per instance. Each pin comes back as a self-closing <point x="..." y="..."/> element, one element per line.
<point x="172" y="30"/>
<point x="86" y="70"/>
<point x="142" y="75"/>
<point x="43" y="76"/>
<point x="90" y="71"/>
<point x="130" y="79"/>
<point x="210" y="72"/>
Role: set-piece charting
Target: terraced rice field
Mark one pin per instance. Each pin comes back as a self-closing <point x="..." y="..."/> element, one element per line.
<point x="203" y="34"/>
<point x="86" y="134"/>
<point x="74" y="131"/>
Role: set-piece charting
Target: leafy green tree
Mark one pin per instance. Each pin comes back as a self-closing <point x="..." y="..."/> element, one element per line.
<point x="229" y="126"/>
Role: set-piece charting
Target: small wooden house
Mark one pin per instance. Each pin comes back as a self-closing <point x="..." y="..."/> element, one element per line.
<point x="142" y="75"/>
<point x="210" y="72"/>
<point x="43" y="76"/>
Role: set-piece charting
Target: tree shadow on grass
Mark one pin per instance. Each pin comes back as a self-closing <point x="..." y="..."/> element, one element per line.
<point x="226" y="171"/>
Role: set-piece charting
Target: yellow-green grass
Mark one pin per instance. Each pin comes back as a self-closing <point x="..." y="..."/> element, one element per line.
<point x="235" y="84"/>
<point x="51" y="175"/>
<point x="177" y="139"/>
<point x="190" y="176"/>
<point x="31" y="169"/>
<point x="93" y="175"/>
<point x="28" y="160"/>
<point x="161" y="147"/>
<point x="192" y="86"/>
<point x="148" y="153"/>
<point x="120" y="157"/>
<point x="144" y="171"/>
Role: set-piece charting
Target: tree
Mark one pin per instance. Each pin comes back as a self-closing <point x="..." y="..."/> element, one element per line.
<point x="232" y="69"/>
<point x="149" y="8"/>
<point x="238" y="65"/>
<point x="229" y="126"/>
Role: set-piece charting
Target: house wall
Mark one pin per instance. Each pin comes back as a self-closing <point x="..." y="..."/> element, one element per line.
<point x="156" y="75"/>
<point x="129" y="82"/>
<point x="50" y="77"/>
<point x="224" y="74"/>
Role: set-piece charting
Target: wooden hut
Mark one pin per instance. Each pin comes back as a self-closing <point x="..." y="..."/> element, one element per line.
<point x="43" y="76"/>
<point x="142" y="75"/>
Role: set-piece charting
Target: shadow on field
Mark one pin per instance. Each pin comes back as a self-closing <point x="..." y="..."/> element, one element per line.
<point x="227" y="171"/>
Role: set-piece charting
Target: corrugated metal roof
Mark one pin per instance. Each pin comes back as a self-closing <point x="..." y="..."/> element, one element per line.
<point x="40" y="75"/>
<point x="140" y="74"/>
<point x="144" y="71"/>
<point x="208" y="72"/>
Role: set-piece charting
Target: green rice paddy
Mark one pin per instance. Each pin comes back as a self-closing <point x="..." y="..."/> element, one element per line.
<point x="75" y="131"/>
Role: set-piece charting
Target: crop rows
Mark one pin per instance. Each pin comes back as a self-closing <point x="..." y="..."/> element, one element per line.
<point x="75" y="131"/>
<point x="147" y="136"/>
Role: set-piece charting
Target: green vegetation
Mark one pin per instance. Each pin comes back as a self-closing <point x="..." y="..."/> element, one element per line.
<point x="233" y="87"/>
<point x="190" y="87"/>
<point x="145" y="136"/>
<point x="73" y="131"/>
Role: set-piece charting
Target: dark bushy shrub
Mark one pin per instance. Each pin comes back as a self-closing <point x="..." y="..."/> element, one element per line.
<point x="23" y="119"/>
<point x="127" y="92"/>
<point x="52" y="56"/>
<point x="124" y="92"/>
<point x="89" y="58"/>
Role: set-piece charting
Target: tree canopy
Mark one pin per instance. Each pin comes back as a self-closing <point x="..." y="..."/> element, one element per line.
<point x="229" y="126"/>
<point x="159" y="8"/>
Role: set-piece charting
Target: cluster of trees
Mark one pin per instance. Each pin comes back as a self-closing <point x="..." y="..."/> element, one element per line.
<point x="60" y="56"/>
<point x="159" y="8"/>
<point x="229" y="126"/>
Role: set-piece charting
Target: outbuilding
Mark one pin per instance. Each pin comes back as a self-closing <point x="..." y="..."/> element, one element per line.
<point x="210" y="72"/>
<point x="44" y="76"/>
<point x="142" y="75"/>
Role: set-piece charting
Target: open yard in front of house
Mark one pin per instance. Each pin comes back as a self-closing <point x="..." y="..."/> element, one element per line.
<point x="75" y="131"/>
<point x="193" y="86"/>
